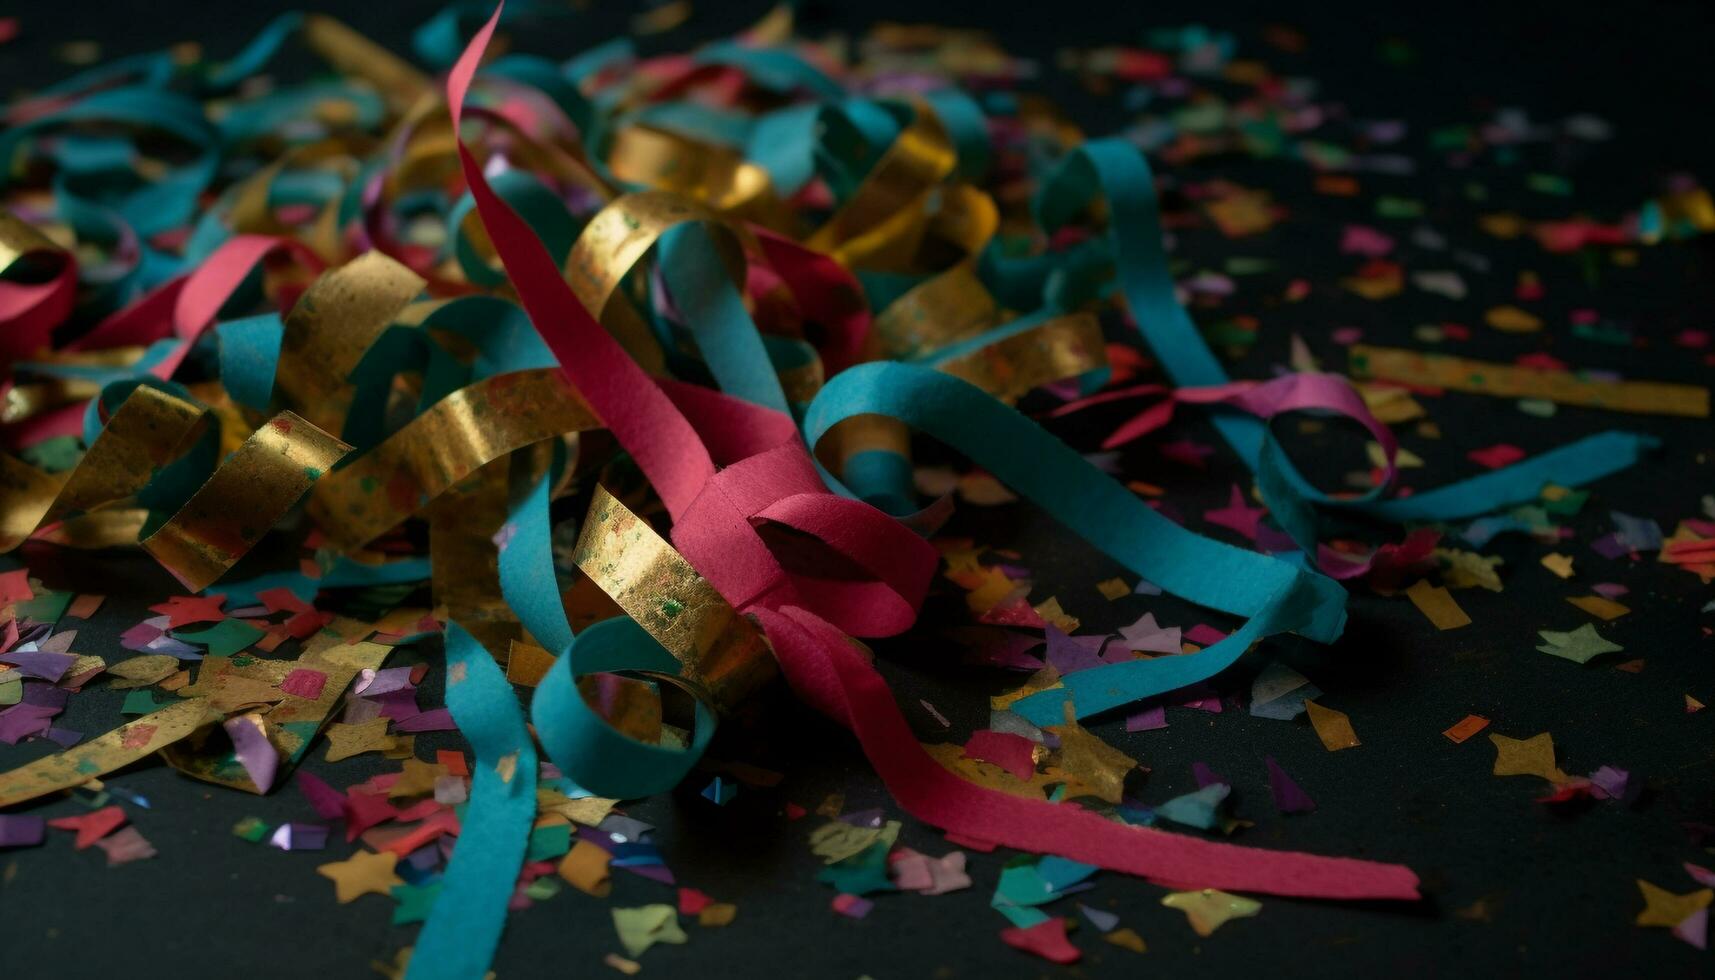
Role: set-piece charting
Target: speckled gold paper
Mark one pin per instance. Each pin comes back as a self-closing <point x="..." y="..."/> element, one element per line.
<point x="247" y="495"/>
<point x="453" y="439"/>
<point x="722" y="652"/>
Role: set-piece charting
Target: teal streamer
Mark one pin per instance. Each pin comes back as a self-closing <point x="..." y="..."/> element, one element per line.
<point x="587" y="749"/>
<point x="463" y="928"/>
<point x="1036" y="465"/>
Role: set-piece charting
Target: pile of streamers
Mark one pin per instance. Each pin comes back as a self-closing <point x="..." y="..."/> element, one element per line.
<point x="753" y="269"/>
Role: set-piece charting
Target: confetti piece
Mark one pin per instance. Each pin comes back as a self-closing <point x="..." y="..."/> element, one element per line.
<point x="1467" y="726"/>
<point x="1665" y="909"/>
<point x="1045" y="939"/>
<point x="1209" y="909"/>
<point x="1288" y="798"/>
<point x="642" y="927"/>
<point x="1596" y="605"/>
<point x="1332" y="727"/>
<point x="1126" y="938"/>
<point x="364" y="873"/>
<point x="1437" y="605"/>
<point x="1579" y="646"/>
<point x="1532" y="756"/>
<point x="1559" y="564"/>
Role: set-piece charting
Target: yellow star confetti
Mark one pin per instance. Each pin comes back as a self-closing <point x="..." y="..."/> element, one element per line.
<point x="366" y="873"/>
<point x="417" y="779"/>
<point x="1532" y="756"/>
<point x="1210" y="909"/>
<point x="1664" y="908"/>
<point x="345" y="741"/>
<point x="1332" y="727"/>
<point x="1092" y="766"/>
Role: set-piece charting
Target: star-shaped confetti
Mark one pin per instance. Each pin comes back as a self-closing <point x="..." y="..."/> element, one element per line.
<point x="1667" y="910"/>
<point x="1210" y="909"/>
<point x="642" y="927"/>
<point x="1532" y="756"/>
<point x="345" y="740"/>
<point x="183" y="609"/>
<point x="365" y="873"/>
<point x="417" y="778"/>
<point x="1236" y="515"/>
<point x="1579" y="645"/>
<point x="415" y="901"/>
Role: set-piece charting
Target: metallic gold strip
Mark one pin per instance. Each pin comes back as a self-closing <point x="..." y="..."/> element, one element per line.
<point x="351" y="53"/>
<point x="245" y="497"/>
<point x="330" y="328"/>
<point x="106" y="753"/>
<point x="446" y="444"/>
<point x="1063" y="347"/>
<point x="148" y="430"/>
<point x="1508" y="381"/>
<point x="723" y="654"/>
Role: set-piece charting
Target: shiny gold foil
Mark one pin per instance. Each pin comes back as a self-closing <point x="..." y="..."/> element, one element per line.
<point x="148" y="430"/>
<point x="247" y="495"/>
<point x="446" y="444"/>
<point x="104" y="754"/>
<point x="289" y="722"/>
<point x="722" y="652"/>
<point x="330" y="328"/>
<point x="1059" y="348"/>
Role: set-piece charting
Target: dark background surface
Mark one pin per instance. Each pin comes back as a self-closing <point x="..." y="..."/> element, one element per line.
<point x="1558" y="884"/>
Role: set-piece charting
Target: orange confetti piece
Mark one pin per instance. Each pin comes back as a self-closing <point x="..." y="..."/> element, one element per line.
<point x="1468" y="726"/>
<point x="1332" y="727"/>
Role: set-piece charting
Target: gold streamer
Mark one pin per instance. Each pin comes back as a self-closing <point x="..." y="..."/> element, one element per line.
<point x="1509" y="381"/>
<point x="289" y="724"/>
<point x="446" y="444"/>
<point x="106" y="753"/>
<point x="342" y="313"/>
<point x="723" y="653"/>
<point x="1059" y="348"/>
<point x="245" y="497"/>
<point x="883" y="222"/>
<point x="148" y="430"/>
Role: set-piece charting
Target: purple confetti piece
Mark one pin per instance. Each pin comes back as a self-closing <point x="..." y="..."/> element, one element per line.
<point x="1147" y="720"/>
<point x="1207" y="777"/>
<point x="49" y="667"/>
<point x="433" y="720"/>
<point x="254" y="752"/>
<point x="299" y="837"/>
<point x="1288" y="798"/>
<point x="21" y="830"/>
<point x="329" y="803"/>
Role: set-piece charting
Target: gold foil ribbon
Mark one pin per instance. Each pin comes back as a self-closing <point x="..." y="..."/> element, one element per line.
<point x="882" y="224"/>
<point x="19" y="239"/>
<point x="147" y="431"/>
<point x="289" y="724"/>
<point x="104" y="754"/>
<point x="1062" y="347"/>
<point x="247" y="495"/>
<point x="449" y="442"/>
<point x="336" y="320"/>
<point x="1510" y="381"/>
<point x="723" y="654"/>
